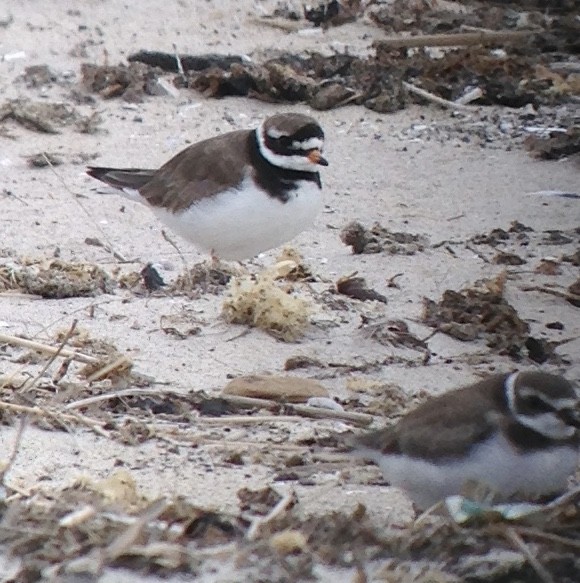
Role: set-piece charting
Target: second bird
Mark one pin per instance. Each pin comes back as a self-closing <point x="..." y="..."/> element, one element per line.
<point x="237" y="194"/>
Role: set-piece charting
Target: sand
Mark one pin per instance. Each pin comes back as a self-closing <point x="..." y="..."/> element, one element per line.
<point x="379" y="171"/>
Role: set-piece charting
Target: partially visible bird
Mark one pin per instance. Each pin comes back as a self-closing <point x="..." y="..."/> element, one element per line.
<point x="517" y="434"/>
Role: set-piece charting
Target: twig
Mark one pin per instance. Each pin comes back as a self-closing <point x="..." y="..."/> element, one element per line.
<point x="179" y="64"/>
<point x="29" y="385"/>
<point x="476" y="252"/>
<point x="166" y="236"/>
<point x="96" y="426"/>
<point x="248" y="419"/>
<point x="40" y="347"/>
<point x="519" y="543"/>
<point x="570" y="297"/>
<point x="564" y="498"/>
<point x="187" y="440"/>
<point x="109" y="368"/>
<point x="278" y="23"/>
<point x="118" y="395"/>
<point x="110" y="247"/>
<point x="17" y="441"/>
<point x="95" y="561"/>
<point x="122" y="543"/>
<point x="468" y="28"/>
<point x="555" y="538"/>
<point x="246" y="402"/>
<point x="455" y="40"/>
<point x="348" y="99"/>
<point x="305" y="410"/>
<point x="260" y="521"/>
<point x="472" y="95"/>
<point x="70" y="354"/>
<point x="435" y="98"/>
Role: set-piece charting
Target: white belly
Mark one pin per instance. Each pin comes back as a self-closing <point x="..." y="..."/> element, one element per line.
<point x="239" y="224"/>
<point x="494" y="463"/>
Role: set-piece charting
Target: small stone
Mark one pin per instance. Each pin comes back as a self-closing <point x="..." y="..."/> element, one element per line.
<point x="324" y="403"/>
<point x="278" y="388"/>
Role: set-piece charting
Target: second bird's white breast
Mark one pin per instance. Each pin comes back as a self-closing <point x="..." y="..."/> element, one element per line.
<point x="495" y="463"/>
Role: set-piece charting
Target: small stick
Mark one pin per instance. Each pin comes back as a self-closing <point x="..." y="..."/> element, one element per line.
<point x="166" y="236"/>
<point x="348" y="100"/>
<point x="180" y="70"/>
<point x="96" y="426"/>
<point x="188" y="441"/>
<point x="555" y="538"/>
<point x="259" y="521"/>
<point x="122" y="543"/>
<point x="305" y="410"/>
<point x="40" y="347"/>
<point x="476" y="252"/>
<point x="103" y="372"/>
<point x="435" y="98"/>
<point x="455" y="40"/>
<point x="470" y="96"/>
<point x="29" y="385"/>
<point x="110" y="247"/>
<point x="564" y="498"/>
<point x="118" y="395"/>
<point x="10" y="461"/>
<point x="277" y="23"/>
<point x="248" y="419"/>
<point x="468" y="28"/>
<point x="554" y="292"/>
<point x="248" y="402"/>
<point x="518" y="542"/>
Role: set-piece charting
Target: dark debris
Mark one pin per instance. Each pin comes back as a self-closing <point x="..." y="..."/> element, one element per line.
<point x="211" y="278"/>
<point x="356" y="287"/>
<point x="152" y="280"/>
<point x="169" y="63"/>
<point x="479" y="312"/>
<point x="131" y="82"/>
<point x="393" y="333"/>
<point x="379" y="239"/>
<point x="44" y="117"/>
<point x="57" y="280"/>
<point x="554" y="145"/>
<point x="288" y="547"/>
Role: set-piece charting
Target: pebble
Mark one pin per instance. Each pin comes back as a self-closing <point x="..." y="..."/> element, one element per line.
<point x="278" y="388"/>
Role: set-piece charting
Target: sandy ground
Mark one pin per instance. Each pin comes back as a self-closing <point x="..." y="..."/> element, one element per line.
<point x="377" y="172"/>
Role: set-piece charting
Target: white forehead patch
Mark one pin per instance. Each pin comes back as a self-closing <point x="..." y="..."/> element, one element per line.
<point x="275" y="134"/>
<point x="310" y="144"/>
<point x="559" y="404"/>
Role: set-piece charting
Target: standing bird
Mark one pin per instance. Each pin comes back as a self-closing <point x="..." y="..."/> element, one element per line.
<point x="236" y="194"/>
<point x="517" y="434"/>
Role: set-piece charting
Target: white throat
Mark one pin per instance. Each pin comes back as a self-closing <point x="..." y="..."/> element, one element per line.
<point x="296" y="162"/>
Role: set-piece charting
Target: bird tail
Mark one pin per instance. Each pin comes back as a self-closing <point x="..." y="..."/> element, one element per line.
<point x="121" y="178"/>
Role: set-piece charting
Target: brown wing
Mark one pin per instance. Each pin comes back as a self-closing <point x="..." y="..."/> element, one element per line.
<point x="443" y="427"/>
<point x="199" y="171"/>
